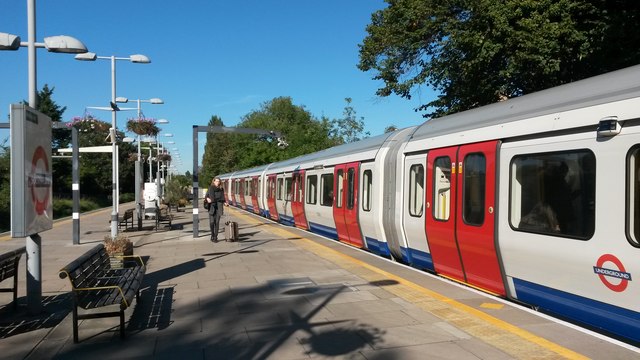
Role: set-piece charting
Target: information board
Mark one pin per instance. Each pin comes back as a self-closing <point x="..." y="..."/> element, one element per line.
<point x="31" y="181"/>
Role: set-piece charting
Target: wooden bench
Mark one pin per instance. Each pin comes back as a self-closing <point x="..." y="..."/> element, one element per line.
<point x="124" y="221"/>
<point x="95" y="284"/>
<point x="163" y="216"/>
<point x="9" y="268"/>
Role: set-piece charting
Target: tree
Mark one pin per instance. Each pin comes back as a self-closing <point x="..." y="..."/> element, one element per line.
<point x="349" y="128"/>
<point x="219" y="155"/>
<point x="60" y="138"/>
<point x="390" y="128"/>
<point x="478" y="52"/>
<point x="302" y="131"/>
<point x="95" y="168"/>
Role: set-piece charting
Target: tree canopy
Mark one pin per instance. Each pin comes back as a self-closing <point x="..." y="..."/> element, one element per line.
<point x="478" y="52"/>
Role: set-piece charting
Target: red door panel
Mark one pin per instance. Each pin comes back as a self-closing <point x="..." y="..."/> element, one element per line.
<point x="351" y="204"/>
<point x="234" y="196"/>
<point x="440" y="220"/>
<point x="475" y="227"/>
<point x="338" y="202"/>
<point x="297" y="204"/>
<point x="243" y="203"/>
<point x="271" y="197"/>
<point x="254" y="195"/>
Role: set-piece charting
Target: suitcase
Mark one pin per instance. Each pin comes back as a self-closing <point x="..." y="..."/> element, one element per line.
<point x="231" y="231"/>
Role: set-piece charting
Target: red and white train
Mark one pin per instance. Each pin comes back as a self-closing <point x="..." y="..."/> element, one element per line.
<point x="535" y="199"/>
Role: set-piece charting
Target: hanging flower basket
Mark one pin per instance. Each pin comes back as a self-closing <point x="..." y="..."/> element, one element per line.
<point x="88" y="123"/>
<point x="134" y="157"/>
<point x="164" y="157"/>
<point x="143" y="126"/>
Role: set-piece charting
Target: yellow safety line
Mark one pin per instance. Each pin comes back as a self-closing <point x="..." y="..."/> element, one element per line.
<point x="499" y="333"/>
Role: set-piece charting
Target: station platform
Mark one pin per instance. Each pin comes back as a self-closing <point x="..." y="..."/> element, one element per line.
<point x="278" y="293"/>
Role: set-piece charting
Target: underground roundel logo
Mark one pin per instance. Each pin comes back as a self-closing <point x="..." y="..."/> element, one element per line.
<point x="608" y="267"/>
<point x="39" y="179"/>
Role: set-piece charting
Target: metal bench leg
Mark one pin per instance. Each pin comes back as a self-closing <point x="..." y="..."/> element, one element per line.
<point x="75" y="323"/>
<point x="122" y="324"/>
<point x="15" y="283"/>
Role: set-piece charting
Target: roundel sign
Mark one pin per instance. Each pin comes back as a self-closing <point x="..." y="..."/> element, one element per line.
<point x="39" y="180"/>
<point x="612" y="273"/>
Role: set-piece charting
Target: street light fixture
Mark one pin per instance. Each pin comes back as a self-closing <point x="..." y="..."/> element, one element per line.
<point x="137" y="58"/>
<point x="138" y="175"/>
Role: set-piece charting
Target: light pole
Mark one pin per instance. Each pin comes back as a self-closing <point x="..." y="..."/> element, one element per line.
<point x="59" y="44"/>
<point x="138" y="175"/>
<point x="140" y="59"/>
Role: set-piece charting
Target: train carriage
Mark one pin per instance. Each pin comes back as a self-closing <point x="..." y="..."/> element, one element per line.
<point x="535" y="199"/>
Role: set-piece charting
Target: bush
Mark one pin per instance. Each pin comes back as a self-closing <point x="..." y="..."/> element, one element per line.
<point x="127" y="197"/>
<point x="64" y="207"/>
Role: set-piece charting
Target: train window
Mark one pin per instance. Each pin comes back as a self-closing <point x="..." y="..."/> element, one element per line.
<point x="259" y="187"/>
<point x="339" y="188"/>
<point x="312" y="189"/>
<point x="351" y="179"/>
<point x="280" y="189"/>
<point x="441" y="188"/>
<point x="326" y="186"/>
<point x="416" y="190"/>
<point x="287" y="189"/>
<point x="367" y="181"/>
<point x="247" y="187"/>
<point x="633" y="199"/>
<point x="474" y="176"/>
<point x="554" y="193"/>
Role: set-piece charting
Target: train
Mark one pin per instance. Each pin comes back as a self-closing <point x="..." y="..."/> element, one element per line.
<point x="535" y="199"/>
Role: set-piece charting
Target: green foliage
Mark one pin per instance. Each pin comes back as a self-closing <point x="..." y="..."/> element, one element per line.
<point x="219" y="154"/>
<point x="302" y="131"/>
<point x="64" y="207"/>
<point x="349" y="128"/>
<point x="228" y="152"/>
<point x="478" y="52"/>
<point x="175" y="190"/>
<point x="96" y="168"/>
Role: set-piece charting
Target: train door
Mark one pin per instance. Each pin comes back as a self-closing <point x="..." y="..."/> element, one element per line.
<point x="297" y="200"/>
<point x="271" y="197"/>
<point x="232" y="191"/>
<point x="461" y="188"/>
<point x="254" y="194"/>
<point x="226" y="191"/>
<point x="241" y="193"/>
<point x="345" y="205"/>
<point x="413" y="219"/>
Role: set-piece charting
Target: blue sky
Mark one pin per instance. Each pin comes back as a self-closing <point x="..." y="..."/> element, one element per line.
<point x="209" y="57"/>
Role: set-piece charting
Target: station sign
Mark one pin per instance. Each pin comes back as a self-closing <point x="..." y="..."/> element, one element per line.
<point x="31" y="171"/>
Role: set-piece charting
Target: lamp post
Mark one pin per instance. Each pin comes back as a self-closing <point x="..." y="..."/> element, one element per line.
<point x="138" y="175"/>
<point x="57" y="44"/>
<point x="140" y="59"/>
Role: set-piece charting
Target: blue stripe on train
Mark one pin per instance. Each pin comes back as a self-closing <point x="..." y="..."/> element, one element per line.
<point x="420" y="259"/>
<point x="377" y="247"/>
<point x="323" y="230"/>
<point x="286" y="220"/>
<point x="616" y="320"/>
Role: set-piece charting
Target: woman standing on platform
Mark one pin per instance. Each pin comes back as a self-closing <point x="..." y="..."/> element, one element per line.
<point x="215" y="199"/>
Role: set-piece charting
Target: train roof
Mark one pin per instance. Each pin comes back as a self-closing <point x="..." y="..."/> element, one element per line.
<point x="362" y="150"/>
<point x="614" y="86"/>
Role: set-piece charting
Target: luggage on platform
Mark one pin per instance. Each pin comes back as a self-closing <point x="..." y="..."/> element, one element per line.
<point x="230" y="230"/>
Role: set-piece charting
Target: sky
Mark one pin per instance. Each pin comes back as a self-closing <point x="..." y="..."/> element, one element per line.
<point x="208" y="57"/>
